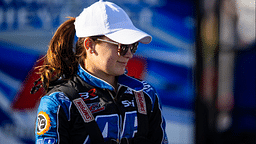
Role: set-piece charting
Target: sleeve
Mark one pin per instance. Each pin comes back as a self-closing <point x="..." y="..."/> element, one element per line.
<point x="157" y="124"/>
<point x="52" y="122"/>
<point x="157" y="133"/>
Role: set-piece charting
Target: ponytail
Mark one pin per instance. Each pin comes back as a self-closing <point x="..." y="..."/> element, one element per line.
<point x="60" y="60"/>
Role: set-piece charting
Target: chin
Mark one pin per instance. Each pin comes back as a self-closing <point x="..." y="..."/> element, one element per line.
<point x="121" y="72"/>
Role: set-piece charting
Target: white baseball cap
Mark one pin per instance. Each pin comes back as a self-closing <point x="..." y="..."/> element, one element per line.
<point x="106" y="18"/>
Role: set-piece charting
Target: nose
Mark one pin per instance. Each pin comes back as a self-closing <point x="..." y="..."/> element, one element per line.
<point x="128" y="54"/>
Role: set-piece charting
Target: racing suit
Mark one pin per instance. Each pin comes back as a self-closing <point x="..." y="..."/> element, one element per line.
<point x="116" y="113"/>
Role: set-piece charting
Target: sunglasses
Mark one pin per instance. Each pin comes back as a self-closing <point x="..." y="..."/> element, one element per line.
<point x="122" y="48"/>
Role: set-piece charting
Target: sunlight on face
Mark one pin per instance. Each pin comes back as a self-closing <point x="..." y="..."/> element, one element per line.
<point x="106" y="62"/>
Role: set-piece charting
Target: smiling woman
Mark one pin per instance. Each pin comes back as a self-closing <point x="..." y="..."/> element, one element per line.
<point x="89" y="97"/>
<point x="104" y="61"/>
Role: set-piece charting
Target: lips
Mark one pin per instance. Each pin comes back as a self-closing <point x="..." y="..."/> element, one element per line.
<point x="123" y="63"/>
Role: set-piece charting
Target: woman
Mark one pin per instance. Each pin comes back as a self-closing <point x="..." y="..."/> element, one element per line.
<point x="90" y="99"/>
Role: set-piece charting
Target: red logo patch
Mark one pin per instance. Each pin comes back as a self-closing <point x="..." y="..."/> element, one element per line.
<point x="84" y="110"/>
<point x="141" y="104"/>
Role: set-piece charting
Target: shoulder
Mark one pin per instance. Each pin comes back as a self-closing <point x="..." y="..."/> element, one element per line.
<point x="54" y="104"/>
<point x="51" y="107"/>
<point x="148" y="88"/>
<point x="150" y="91"/>
<point x="54" y="100"/>
<point x="67" y="89"/>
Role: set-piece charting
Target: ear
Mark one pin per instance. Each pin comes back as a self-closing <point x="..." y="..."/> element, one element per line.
<point x="88" y="43"/>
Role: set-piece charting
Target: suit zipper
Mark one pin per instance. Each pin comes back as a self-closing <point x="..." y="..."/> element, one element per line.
<point x="119" y="113"/>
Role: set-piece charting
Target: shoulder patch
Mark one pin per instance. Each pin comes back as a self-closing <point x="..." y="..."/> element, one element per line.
<point x="141" y="103"/>
<point x="43" y="123"/>
<point x="147" y="87"/>
<point x="83" y="110"/>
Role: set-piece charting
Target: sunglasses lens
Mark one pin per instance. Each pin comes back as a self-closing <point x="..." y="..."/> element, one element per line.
<point x="134" y="48"/>
<point x="125" y="48"/>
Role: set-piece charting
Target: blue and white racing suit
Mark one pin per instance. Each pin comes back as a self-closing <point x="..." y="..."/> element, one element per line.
<point x="59" y="121"/>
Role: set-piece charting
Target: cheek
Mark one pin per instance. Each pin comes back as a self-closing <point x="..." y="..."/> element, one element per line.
<point x="107" y="57"/>
<point x="110" y="62"/>
<point x="105" y="61"/>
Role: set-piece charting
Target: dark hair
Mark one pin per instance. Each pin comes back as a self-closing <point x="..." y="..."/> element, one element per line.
<point x="62" y="58"/>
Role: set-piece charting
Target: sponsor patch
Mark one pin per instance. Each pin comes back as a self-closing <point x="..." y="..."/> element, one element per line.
<point x="141" y="104"/>
<point x="90" y="95"/>
<point x="128" y="103"/>
<point x="128" y="91"/>
<point x="83" y="110"/>
<point x="43" y="123"/>
<point x="46" y="141"/>
<point x="147" y="87"/>
<point x="95" y="107"/>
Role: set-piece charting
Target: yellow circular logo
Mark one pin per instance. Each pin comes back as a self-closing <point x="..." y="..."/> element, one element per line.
<point x="43" y="123"/>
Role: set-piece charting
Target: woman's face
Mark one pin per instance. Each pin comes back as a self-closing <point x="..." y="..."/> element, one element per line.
<point x="105" y="60"/>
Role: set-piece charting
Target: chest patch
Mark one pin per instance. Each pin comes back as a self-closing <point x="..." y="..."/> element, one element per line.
<point x="83" y="110"/>
<point x="96" y="107"/>
<point x="90" y="95"/>
<point x="141" y="103"/>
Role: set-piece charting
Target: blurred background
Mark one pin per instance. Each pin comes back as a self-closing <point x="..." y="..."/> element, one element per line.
<point x="201" y="61"/>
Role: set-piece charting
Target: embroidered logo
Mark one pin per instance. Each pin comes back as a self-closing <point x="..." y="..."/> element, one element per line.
<point x="128" y="91"/>
<point x="90" y="95"/>
<point x="83" y="110"/>
<point x="128" y="103"/>
<point x="141" y="104"/>
<point x="47" y="140"/>
<point x="147" y="87"/>
<point x="95" y="107"/>
<point x="43" y="123"/>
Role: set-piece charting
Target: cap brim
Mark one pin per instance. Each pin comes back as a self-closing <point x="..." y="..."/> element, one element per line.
<point x="129" y="36"/>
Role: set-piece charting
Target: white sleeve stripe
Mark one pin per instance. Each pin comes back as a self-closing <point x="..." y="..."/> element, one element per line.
<point x="58" y="124"/>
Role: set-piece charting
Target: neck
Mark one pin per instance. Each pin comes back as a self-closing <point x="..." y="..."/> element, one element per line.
<point x="113" y="82"/>
<point x="108" y="78"/>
